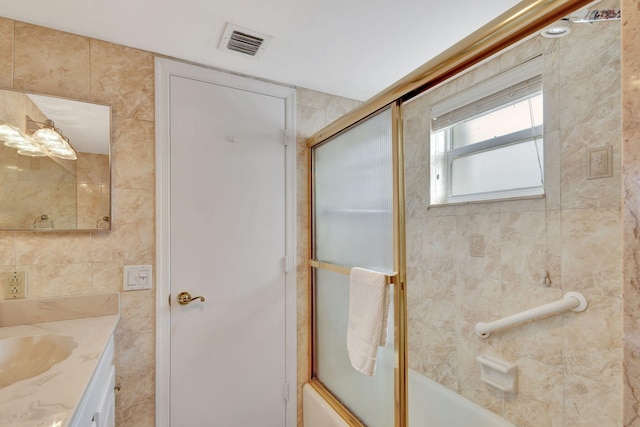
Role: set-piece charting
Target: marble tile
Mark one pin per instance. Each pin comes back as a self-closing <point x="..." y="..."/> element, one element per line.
<point x="477" y="75"/>
<point x="593" y="339"/>
<point x="137" y="311"/>
<point x="338" y="107"/>
<point x="522" y="205"/>
<point x="6" y="52"/>
<point x="135" y="368"/>
<point x="29" y="311"/>
<point x="134" y="351"/>
<point x="52" y="280"/>
<point x="124" y="78"/>
<point x="438" y="300"/>
<point x="439" y="357"/>
<point x="469" y="383"/>
<point x="92" y="168"/>
<point x="133" y="151"/>
<point x="439" y="250"/>
<point x="538" y="341"/>
<point x="538" y="402"/>
<point x="414" y="254"/>
<point x="487" y="226"/>
<point x="631" y="242"/>
<point x="51" y="62"/>
<point x="140" y="414"/>
<point x="310" y="119"/>
<point x="552" y="170"/>
<point x="310" y="98"/>
<point x="592" y="251"/>
<point x="578" y="71"/>
<point x="578" y="191"/>
<point x="477" y="300"/>
<point x="52" y="248"/>
<point x="552" y="91"/>
<point x="580" y="393"/>
<point x="523" y="250"/>
<point x="7" y="247"/>
<point x="106" y="277"/>
<point x="133" y="230"/>
<point x="524" y="51"/>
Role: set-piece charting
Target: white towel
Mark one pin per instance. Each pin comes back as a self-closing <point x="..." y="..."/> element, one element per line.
<point x="368" y="317"/>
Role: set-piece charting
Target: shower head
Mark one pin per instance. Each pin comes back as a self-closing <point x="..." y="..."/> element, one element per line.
<point x="595" y="15"/>
<point x="585" y="16"/>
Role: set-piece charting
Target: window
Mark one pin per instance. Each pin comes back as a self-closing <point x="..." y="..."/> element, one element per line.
<point x="486" y="142"/>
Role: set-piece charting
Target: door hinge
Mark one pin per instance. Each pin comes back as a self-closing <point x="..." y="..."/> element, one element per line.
<point x="285" y="140"/>
<point x="286" y="392"/>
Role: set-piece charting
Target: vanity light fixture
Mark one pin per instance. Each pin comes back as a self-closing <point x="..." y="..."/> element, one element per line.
<point x="53" y="141"/>
<point x="15" y="138"/>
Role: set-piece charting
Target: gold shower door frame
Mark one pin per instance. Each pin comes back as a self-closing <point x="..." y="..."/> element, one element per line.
<point x="399" y="320"/>
<point x="524" y="19"/>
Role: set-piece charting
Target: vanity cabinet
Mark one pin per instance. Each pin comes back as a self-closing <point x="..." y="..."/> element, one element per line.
<point x="97" y="407"/>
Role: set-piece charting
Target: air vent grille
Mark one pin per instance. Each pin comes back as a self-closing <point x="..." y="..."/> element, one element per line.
<point x="244" y="41"/>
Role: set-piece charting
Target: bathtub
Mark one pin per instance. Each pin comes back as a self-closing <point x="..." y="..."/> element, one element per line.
<point x="434" y="405"/>
<point x="430" y="405"/>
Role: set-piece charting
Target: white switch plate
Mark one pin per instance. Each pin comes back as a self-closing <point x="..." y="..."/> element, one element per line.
<point x="137" y="277"/>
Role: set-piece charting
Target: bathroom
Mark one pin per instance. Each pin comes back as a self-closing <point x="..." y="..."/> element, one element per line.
<point x="68" y="264"/>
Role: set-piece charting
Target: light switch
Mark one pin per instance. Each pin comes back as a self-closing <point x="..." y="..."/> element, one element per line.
<point x="137" y="277"/>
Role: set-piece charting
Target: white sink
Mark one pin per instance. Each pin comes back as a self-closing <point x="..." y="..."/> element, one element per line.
<point x="27" y="356"/>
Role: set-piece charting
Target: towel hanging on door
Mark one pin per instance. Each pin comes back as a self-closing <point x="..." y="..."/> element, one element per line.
<point x="368" y="318"/>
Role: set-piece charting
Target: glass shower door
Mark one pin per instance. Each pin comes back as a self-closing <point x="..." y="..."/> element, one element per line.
<point x="353" y="227"/>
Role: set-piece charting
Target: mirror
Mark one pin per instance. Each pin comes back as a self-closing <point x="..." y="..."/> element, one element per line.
<point x="42" y="186"/>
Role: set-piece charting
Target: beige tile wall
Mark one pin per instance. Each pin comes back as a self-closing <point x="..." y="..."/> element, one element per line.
<point x="631" y="208"/>
<point x="570" y="366"/>
<point x="42" y="60"/>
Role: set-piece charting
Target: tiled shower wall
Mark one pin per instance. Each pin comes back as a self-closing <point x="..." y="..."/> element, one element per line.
<point x="631" y="208"/>
<point x="43" y="60"/>
<point x="570" y="366"/>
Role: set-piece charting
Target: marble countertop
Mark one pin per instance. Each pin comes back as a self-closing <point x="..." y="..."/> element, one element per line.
<point x="50" y="399"/>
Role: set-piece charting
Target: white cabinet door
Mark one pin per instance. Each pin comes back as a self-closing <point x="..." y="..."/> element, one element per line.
<point x="105" y="415"/>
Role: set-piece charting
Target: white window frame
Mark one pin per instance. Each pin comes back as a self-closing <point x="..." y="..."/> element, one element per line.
<point x="441" y="161"/>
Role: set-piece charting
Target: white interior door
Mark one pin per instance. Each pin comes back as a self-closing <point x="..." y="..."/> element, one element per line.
<point x="227" y="243"/>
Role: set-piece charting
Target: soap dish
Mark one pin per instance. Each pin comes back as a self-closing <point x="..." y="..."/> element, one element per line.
<point x="498" y="373"/>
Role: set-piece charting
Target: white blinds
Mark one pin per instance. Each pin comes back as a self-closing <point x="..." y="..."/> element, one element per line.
<point x="513" y="85"/>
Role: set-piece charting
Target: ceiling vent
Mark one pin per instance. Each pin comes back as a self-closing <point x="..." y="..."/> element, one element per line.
<point x="244" y="41"/>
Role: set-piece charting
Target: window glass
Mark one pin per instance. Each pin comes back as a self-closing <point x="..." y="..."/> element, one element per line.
<point x="486" y="142"/>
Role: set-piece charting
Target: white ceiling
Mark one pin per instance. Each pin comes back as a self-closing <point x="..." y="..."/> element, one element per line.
<point x="352" y="48"/>
<point x="86" y="125"/>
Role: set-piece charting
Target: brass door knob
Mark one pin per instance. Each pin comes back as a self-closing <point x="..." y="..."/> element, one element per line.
<point x="185" y="298"/>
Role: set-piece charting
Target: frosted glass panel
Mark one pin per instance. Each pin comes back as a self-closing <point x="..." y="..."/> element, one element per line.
<point x="515" y="166"/>
<point x="353" y="226"/>
<point x="353" y="197"/>
<point x="369" y="398"/>
<point x="508" y="119"/>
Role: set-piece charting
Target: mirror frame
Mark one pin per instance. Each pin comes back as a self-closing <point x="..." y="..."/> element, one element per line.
<point x="108" y="219"/>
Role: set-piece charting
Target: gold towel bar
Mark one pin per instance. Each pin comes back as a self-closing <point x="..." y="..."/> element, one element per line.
<point x="342" y="270"/>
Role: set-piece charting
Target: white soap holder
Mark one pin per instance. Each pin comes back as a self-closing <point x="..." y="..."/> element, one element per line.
<point x="498" y="373"/>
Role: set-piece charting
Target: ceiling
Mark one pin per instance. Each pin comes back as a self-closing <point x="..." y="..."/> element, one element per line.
<point x="351" y="48"/>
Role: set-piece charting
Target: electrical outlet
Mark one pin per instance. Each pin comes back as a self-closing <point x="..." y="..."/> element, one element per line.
<point x="15" y="285"/>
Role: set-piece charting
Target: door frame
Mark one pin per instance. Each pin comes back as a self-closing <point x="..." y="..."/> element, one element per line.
<point x="164" y="70"/>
